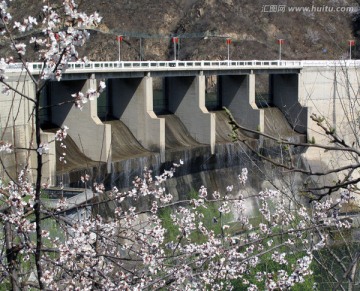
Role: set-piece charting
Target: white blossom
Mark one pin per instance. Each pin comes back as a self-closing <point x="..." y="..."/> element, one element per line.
<point x="61" y="134"/>
<point x="20" y="48"/>
<point x="6" y="147"/>
<point x="43" y="148"/>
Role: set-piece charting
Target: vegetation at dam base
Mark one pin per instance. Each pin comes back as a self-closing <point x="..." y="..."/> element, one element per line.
<point x="269" y="245"/>
<point x="214" y="220"/>
<point x="208" y="240"/>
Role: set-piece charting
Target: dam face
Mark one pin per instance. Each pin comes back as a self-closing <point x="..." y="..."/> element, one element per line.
<point x="157" y="121"/>
<point x="151" y="117"/>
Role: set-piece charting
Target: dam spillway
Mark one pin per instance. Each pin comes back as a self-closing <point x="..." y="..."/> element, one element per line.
<point x="176" y="134"/>
<point x="123" y="143"/>
<point x="276" y="125"/>
<point x="131" y="98"/>
<point x="129" y="93"/>
<point x="224" y="130"/>
<point x="129" y="158"/>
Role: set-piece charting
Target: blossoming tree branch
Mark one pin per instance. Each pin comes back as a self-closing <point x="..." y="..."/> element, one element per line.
<point x="136" y="249"/>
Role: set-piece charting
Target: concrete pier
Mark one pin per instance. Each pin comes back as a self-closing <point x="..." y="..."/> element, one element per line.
<point x="132" y="103"/>
<point x="285" y="96"/>
<point x="86" y="129"/>
<point x="186" y="97"/>
<point x="238" y="95"/>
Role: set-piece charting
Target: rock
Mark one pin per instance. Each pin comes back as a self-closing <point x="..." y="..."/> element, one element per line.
<point x="229" y="2"/>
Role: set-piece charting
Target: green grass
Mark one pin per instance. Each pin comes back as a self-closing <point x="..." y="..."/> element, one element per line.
<point x="212" y="220"/>
<point x="266" y="263"/>
<point x="269" y="266"/>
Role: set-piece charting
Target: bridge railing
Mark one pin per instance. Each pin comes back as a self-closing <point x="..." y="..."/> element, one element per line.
<point x="170" y="64"/>
<point x="331" y="63"/>
<point x="187" y="65"/>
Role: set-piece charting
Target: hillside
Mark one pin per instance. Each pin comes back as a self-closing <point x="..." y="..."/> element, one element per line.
<point x="203" y="25"/>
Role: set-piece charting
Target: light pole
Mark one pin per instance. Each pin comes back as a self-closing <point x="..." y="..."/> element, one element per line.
<point x="228" y="42"/>
<point x="175" y="41"/>
<point x="140" y="49"/>
<point x="119" y="39"/>
<point x="351" y="44"/>
<point x="280" y="42"/>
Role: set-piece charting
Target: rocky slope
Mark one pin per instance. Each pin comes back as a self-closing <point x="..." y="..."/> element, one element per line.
<point x="203" y="25"/>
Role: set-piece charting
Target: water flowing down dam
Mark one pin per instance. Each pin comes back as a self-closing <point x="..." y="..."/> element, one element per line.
<point x="277" y="125"/>
<point x="123" y="143"/>
<point x="124" y="147"/>
<point x="129" y="157"/>
<point x="176" y="134"/>
<point x="216" y="171"/>
<point x="74" y="156"/>
<point x="224" y="130"/>
<point x="76" y="164"/>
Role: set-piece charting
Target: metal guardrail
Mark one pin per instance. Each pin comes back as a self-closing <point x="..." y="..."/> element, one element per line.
<point x="78" y="67"/>
<point x="331" y="63"/>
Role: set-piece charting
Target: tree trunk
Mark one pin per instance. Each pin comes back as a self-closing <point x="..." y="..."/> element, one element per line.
<point x="11" y="257"/>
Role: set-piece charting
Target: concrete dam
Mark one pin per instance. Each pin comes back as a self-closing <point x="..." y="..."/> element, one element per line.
<point x="155" y="113"/>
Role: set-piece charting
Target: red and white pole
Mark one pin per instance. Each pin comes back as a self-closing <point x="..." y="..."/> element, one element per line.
<point x="175" y="41"/>
<point x="351" y="44"/>
<point x="280" y="42"/>
<point x="119" y="39"/>
<point x="228" y="42"/>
